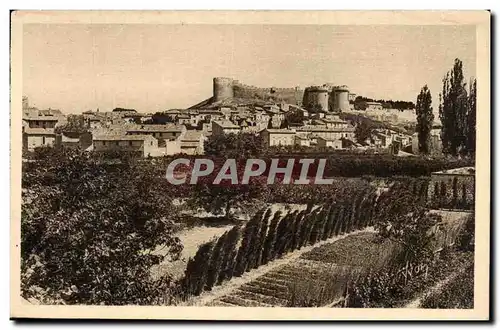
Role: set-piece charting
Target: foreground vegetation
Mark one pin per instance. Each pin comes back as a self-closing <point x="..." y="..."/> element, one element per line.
<point x="90" y="223"/>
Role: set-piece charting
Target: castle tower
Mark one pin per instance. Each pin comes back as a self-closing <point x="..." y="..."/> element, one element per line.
<point x="340" y="96"/>
<point x="223" y="88"/>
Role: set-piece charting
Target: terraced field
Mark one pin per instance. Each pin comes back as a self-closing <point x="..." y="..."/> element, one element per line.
<point x="317" y="278"/>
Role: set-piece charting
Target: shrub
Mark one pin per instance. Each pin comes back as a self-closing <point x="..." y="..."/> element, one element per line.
<point x="89" y="229"/>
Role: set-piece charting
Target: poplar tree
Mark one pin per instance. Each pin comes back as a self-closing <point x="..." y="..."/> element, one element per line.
<point x="453" y="111"/>
<point x="270" y="238"/>
<point x="425" y="118"/>
<point x="248" y="238"/>
<point x="214" y="266"/>
<point x="197" y="269"/>
<point x="296" y="230"/>
<point x="229" y="254"/>
<point x="262" y="239"/>
<point x="471" y="118"/>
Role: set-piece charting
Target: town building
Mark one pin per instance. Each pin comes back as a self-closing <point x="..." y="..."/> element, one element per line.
<point x="278" y="137"/>
<point x="328" y="132"/>
<point x="39" y="128"/>
<point x="69" y="140"/>
<point x="192" y="142"/>
<point x="162" y="133"/>
<point x="138" y="145"/>
<point x="224" y="127"/>
<point x="382" y="140"/>
<point x="323" y="142"/>
<point x="302" y="141"/>
<point x="373" y="106"/>
<point x="38" y="137"/>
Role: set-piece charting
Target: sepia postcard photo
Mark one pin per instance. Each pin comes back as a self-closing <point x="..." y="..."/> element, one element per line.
<point x="250" y="165"/>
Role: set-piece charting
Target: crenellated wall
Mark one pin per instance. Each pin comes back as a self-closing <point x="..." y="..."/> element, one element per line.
<point x="224" y="88"/>
<point x="327" y="97"/>
<point x="288" y="95"/>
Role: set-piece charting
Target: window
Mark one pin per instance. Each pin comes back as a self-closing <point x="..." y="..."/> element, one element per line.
<point x="130" y="143"/>
<point x="43" y="139"/>
<point x="117" y="143"/>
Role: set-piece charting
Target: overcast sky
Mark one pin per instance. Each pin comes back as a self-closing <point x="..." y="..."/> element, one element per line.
<point x="76" y="67"/>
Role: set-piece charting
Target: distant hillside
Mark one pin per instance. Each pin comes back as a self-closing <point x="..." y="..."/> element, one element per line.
<point x="123" y="110"/>
<point x="355" y="118"/>
<point x="360" y="103"/>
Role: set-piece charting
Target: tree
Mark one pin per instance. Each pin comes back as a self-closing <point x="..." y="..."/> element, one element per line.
<point x="284" y="124"/>
<point x="425" y="119"/>
<point x="443" y="195"/>
<point x="90" y="229"/>
<point x="360" y="103"/>
<point x="161" y="118"/>
<point x="262" y="238"/>
<point x="455" y="193"/>
<point x="453" y="111"/>
<point x="229" y="254"/>
<point x="284" y="234"/>
<point x="471" y="119"/>
<point x="237" y="146"/>
<point x="195" y="275"/>
<point x="363" y="131"/>
<point x="253" y="250"/>
<point x="296" y="230"/>
<point x="246" y="251"/>
<point x="295" y="117"/>
<point x="214" y="267"/>
<point x="408" y="223"/>
<point x="270" y="238"/>
<point x="224" y="196"/>
<point x="74" y="125"/>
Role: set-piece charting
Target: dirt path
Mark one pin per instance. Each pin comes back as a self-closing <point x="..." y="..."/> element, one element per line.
<point x="236" y="282"/>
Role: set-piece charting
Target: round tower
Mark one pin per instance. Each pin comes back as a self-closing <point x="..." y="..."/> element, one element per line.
<point x="340" y="98"/>
<point x="223" y="88"/>
<point x="316" y="99"/>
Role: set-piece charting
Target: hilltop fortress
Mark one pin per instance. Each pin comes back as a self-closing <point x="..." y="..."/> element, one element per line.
<point x="326" y="98"/>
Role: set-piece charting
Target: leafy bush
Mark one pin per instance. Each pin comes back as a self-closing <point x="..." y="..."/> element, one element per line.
<point x="88" y="230"/>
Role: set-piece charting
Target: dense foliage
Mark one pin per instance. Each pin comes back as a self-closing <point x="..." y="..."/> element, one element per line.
<point x="237" y="146"/>
<point x="363" y="131"/>
<point x="418" y="266"/>
<point x="89" y="226"/>
<point x="269" y="236"/>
